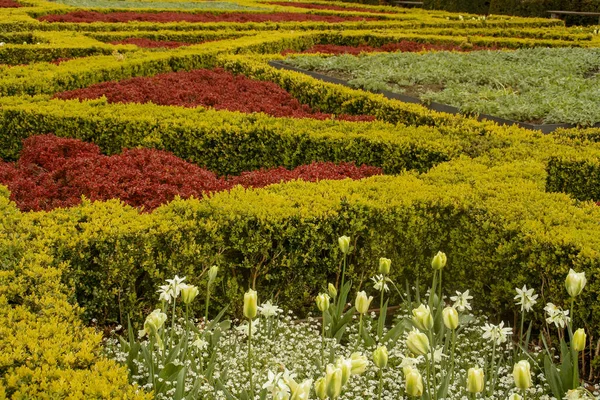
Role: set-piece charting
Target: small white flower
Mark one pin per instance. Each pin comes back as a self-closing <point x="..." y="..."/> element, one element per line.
<point x="497" y="333"/>
<point x="200" y="344"/>
<point x="461" y="301"/>
<point x="381" y="282"/>
<point x="269" y="310"/>
<point x="526" y="297"/>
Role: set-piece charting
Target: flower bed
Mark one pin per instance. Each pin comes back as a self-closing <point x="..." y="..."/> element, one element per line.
<point x="55" y="172"/>
<point x="9" y="4"/>
<point x="326" y="7"/>
<point x="540" y="85"/>
<point x="402" y="46"/>
<point x="209" y="88"/>
<point x="151" y="44"/>
<point x="158" y="17"/>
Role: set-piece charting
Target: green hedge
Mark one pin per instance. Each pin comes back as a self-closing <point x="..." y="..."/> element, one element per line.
<point x="498" y="228"/>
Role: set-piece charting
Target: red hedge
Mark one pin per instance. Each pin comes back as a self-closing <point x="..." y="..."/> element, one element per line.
<point x="151" y="44"/>
<point x="9" y="4"/>
<point x="55" y="172"/>
<point x="167" y="16"/>
<point x="403" y="46"/>
<point x="216" y="88"/>
<point x="311" y="6"/>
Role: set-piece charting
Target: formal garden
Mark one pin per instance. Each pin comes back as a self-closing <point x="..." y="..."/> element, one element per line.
<point x="293" y="200"/>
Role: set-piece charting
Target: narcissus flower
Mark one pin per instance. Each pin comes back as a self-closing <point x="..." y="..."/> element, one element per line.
<point x="526" y="297"/>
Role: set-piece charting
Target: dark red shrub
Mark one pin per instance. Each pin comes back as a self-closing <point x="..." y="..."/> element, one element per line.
<point x="402" y="46"/>
<point x="216" y="88"/>
<point x="151" y="44"/>
<point x="311" y="6"/>
<point x="55" y="172"/>
<point x="9" y="4"/>
<point x="168" y="16"/>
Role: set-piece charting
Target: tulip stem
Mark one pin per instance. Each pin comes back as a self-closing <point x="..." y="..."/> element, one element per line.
<point x="522" y="334"/>
<point x="381" y="306"/>
<point x="207" y="302"/>
<point x="323" y="341"/>
<point x="452" y="356"/>
<point x="492" y="370"/>
<point x="524" y="394"/>
<point x="187" y="329"/>
<point x="343" y="274"/>
<point x="359" y="331"/>
<point x="250" y="357"/>
<point x="574" y="356"/>
<point x="428" y="379"/>
<point x="380" y="383"/>
<point x="440" y="298"/>
<point x="172" y="321"/>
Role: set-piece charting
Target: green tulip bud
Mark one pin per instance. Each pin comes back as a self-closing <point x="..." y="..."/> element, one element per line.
<point x="250" y="304"/>
<point x="332" y="291"/>
<point x="475" y="382"/>
<point x="362" y="302"/>
<point x="188" y="293"/>
<point x="439" y="261"/>
<point x="579" y="340"/>
<point x="522" y="375"/>
<point x="344" y="243"/>
<point x="450" y="317"/>
<point x="422" y="317"/>
<point x="380" y="357"/>
<point x="152" y="324"/>
<point x="385" y="265"/>
<point x="359" y="363"/>
<point x="417" y="342"/>
<point x="321" y="388"/>
<point x="333" y="381"/>
<point x="212" y="274"/>
<point x="414" y="384"/>
<point x="515" y="396"/>
<point x="575" y="283"/>
<point x="322" y="301"/>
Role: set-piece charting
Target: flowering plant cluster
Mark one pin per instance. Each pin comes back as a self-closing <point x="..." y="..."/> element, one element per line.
<point x="432" y="349"/>
<point x="55" y="172"/>
<point x="402" y="46"/>
<point x="9" y="4"/>
<point x="215" y="88"/>
<point x="312" y="6"/>
<point x="170" y="16"/>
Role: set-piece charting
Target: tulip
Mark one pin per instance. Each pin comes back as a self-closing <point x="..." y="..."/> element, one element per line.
<point x="250" y="304"/>
<point x="417" y="342"/>
<point x="522" y="375"/>
<point x="321" y="388"/>
<point x="302" y="391"/>
<point x="414" y="384"/>
<point x="344" y="243"/>
<point x="575" y="283"/>
<point x="345" y="364"/>
<point x="333" y="381"/>
<point x="363" y="302"/>
<point x="515" y="396"/>
<point x="380" y="357"/>
<point x="450" y="317"/>
<point x="359" y="363"/>
<point x="579" y="340"/>
<point x="384" y="265"/>
<point x="422" y="317"/>
<point x="332" y="291"/>
<point x="188" y="293"/>
<point x="152" y="324"/>
<point x="439" y="261"/>
<point x="212" y="274"/>
<point x="475" y="380"/>
<point x="322" y="301"/>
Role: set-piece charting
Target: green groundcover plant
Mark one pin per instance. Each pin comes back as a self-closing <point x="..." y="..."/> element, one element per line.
<point x="432" y="347"/>
<point x="549" y="85"/>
